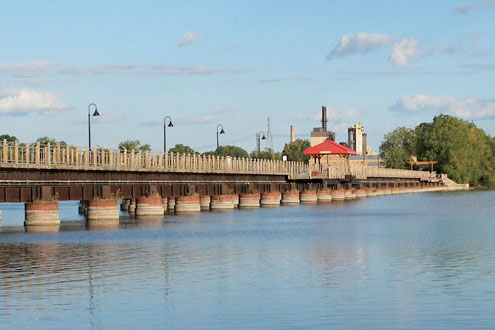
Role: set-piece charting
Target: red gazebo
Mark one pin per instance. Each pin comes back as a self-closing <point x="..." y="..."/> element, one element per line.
<point x="328" y="147"/>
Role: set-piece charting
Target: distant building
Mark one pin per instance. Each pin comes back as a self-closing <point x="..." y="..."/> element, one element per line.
<point x="357" y="139"/>
<point x="320" y="134"/>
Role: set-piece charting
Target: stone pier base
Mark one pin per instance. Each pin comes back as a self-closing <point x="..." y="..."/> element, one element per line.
<point x="103" y="214"/>
<point x="165" y="204"/>
<point x="222" y="203"/>
<point x="204" y="203"/>
<point x="308" y="196"/>
<point x="132" y="207"/>
<point x="171" y="204"/>
<point x="290" y="197"/>
<point x="349" y="194"/>
<point x="271" y="199"/>
<point x="249" y="201"/>
<point x="361" y="193"/>
<point x="42" y="216"/>
<point x="324" y="196"/>
<point x="338" y="195"/>
<point x="149" y="206"/>
<point x="187" y="204"/>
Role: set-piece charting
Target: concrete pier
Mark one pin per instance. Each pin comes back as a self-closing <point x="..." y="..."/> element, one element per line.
<point x="187" y="204"/>
<point x="204" y="202"/>
<point x="361" y="193"/>
<point x="324" y="196"/>
<point x="42" y="216"/>
<point x="271" y="199"/>
<point x="149" y="206"/>
<point x="290" y="197"/>
<point x="338" y="195"/>
<point x="165" y="204"/>
<point x="350" y="194"/>
<point x="222" y="203"/>
<point x="235" y="200"/>
<point x="247" y="201"/>
<point x="132" y="207"/>
<point x="171" y="204"/>
<point x="308" y="196"/>
<point x="102" y="212"/>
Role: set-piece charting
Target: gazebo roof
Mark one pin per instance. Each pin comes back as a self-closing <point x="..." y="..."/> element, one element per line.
<point x="328" y="147"/>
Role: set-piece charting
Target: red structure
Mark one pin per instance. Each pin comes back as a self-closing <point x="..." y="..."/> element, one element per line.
<point x="328" y="147"/>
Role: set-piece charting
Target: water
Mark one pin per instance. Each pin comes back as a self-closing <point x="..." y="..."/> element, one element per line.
<point x="420" y="261"/>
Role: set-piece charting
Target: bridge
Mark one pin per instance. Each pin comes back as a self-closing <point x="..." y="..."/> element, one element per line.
<point x="149" y="183"/>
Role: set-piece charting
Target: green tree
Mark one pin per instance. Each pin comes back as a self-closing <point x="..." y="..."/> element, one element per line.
<point x="294" y="151"/>
<point x="133" y="145"/>
<point x="9" y="138"/>
<point x="266" y="154"/>
<point x="182" y="149"/>
<point x="462" y="150"/>
<point x="46" y="140"/>
<point x="397" y="147"/>
<point x="232" y="151"/>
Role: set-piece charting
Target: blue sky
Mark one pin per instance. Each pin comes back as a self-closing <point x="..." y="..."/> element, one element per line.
<point x="384" y="63"/>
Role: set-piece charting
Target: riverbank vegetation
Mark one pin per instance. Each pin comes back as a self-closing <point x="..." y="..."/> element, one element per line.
<point x="463" y="151"/>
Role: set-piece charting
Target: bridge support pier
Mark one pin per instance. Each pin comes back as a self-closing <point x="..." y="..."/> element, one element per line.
<point x="338" y="195"/>
<point x="249" y="201"/>
<point x="149" y="206"/>
<point x="361" y="193"/>
<point x="308" y="196"/>
<point x="42" y="216"/>
<point x="324" y="196"/>
<point x="271" y="199"/>
<point x="132" y="206"/>
<point x="102" y="214"/>
<point x="187" y="204"/>
<point x="222" y="203"/>
<point x="165" y="205"/>
<point x="171" y="204"/>
<point x="204" y="202"/>
<point x="290" y="197"/>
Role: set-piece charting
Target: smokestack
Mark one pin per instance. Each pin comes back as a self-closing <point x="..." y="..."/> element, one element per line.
<point x="292" y="135"/>
<point x="324" y="118"/>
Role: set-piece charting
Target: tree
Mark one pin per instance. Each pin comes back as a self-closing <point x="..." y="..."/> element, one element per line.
<point x="45" y="140"/>
<point x="462" y="151"/>
<point x="266" y="154"/>
<point x="182" y="149"/>
<point x="294" y="151"/>
<point x="9" y="138"/>
<point x="397" y="147"/>
<point x="232" y="151"/>
<point x="133" y="145"/>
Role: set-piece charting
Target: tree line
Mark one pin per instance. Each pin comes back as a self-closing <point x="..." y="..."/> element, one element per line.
<point x="463" y="151"/>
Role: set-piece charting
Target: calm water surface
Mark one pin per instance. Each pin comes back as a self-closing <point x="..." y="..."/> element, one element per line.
<point x="421" y="261"/>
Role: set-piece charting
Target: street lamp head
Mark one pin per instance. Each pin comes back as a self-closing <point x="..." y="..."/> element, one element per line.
<point x="222" y="131"/>
<point x="170" y="124"/>
<point x="96" y="113"/>
<point x="263" y="138"/>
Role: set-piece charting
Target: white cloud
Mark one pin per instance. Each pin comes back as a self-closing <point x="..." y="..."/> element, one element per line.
<point x="36" y="69"/>
<point x="28" y="101"/>
<point x="468" y="108"/>
<point x="359" y="43"/>
<point x="188" y="38"/>
<point x="404" y="50"/>
<point x="465" y="8"/>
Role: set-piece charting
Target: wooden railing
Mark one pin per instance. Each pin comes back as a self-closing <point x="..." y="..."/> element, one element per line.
<point x="69" y="157"/>
<point x="339" y="170"/>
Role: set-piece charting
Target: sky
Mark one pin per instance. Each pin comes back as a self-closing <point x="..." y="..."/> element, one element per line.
<point x="384" y="63"/>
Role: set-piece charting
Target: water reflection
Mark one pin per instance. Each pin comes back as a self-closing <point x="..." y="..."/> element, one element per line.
<point x="365" y="264"/>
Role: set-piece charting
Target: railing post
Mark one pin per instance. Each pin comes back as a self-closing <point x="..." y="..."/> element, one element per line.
<point x="57" y="155"/>
<point x="16" y="153"/>
<point x="4" y="152"/>
<point x="28" y="155"/>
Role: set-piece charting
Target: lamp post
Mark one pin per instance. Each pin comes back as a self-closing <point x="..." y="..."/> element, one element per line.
<point x="95" y="114"/>
<point x="260" y="133"/>
<point x="165" y="132"/>
<point x="221" y="132"/>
